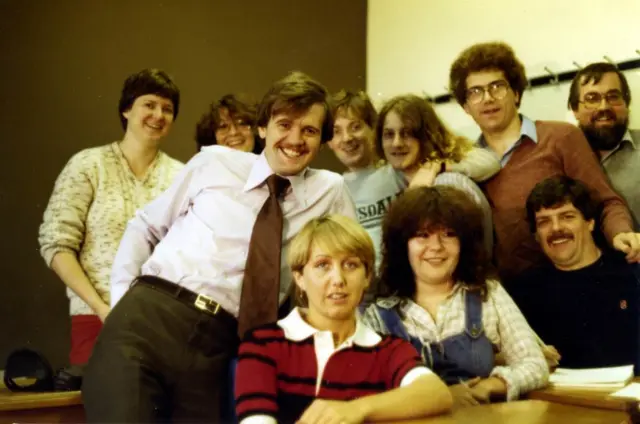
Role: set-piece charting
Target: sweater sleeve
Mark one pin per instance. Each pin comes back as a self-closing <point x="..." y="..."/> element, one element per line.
<point x="63" y="226"/>
<point x="256" y="376"/>
<point x="479" y="164"/>
<point x="580" y="163"/>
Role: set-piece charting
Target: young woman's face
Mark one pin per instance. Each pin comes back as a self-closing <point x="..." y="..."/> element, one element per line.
<point x="334" y="283"/>
<point x="434" y="254"/>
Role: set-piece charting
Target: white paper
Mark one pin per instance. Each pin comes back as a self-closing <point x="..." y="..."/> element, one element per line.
<point x="610" y="376"/>
<point x="631" y="391"/>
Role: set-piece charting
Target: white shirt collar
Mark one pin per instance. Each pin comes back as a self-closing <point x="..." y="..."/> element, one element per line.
<point x="627" y="137"/>
<point x="261" y="170"/>
<point x="297" y="329"/>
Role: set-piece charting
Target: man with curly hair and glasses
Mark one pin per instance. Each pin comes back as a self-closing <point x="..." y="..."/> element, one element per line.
<point x="488" y="81"/>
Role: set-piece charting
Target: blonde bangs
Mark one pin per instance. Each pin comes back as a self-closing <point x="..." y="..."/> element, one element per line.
<point x="335" y="234"/>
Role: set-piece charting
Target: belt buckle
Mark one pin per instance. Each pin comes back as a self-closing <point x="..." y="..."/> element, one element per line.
<point x="203" y="303"/>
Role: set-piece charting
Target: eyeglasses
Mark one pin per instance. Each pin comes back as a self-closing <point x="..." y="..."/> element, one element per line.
<point x="238" y="124"/>
<point x="593" y="100"/>
<point x="497" y="90"/>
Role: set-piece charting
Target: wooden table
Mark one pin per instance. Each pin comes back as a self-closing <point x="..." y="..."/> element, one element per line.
<point x="49" y="407"/>
<point x="589" y="398"/>
<point x="528" y="412"/>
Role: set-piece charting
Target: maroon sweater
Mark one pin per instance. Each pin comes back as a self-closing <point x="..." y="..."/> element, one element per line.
<point x="277" y="376"/>
<point x="561" y="150"/>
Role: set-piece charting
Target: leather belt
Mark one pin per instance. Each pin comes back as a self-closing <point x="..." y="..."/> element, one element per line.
<point x="186" y="296"/>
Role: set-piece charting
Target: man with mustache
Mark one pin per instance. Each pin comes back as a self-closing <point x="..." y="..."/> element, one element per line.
<point x="584" y="300"/>
<point x="489" y="82"/>
<point x="599" y="98"/>
<point x="202" y="264"/>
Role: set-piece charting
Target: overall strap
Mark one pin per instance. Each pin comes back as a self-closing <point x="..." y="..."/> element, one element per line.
<point x="473" y="306"/>
<point x="392" y="322"/>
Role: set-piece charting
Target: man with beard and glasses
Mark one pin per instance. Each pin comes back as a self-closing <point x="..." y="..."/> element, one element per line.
<point x="599" y="98"/>
<point x="584" y="301"/>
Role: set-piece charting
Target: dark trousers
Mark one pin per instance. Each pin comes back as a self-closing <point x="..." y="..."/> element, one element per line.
<point x="159" y="359"/>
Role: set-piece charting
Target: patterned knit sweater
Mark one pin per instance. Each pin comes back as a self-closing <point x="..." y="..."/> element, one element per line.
<point x="94" y="197"/>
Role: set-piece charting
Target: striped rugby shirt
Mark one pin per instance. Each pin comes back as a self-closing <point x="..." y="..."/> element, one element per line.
<point x="283" y="367"/>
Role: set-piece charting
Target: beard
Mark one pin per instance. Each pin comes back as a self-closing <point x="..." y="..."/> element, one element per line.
<point x="605" y="138"/>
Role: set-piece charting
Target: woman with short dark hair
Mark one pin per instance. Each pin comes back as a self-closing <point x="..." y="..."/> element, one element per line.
<point x="95" y="195"/>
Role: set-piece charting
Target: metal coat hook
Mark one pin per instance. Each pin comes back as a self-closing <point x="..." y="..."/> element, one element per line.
<point x="576" y="64"/>
<point x="553" y="74"/>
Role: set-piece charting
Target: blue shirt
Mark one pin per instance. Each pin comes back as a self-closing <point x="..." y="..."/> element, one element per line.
<point x="527" y="129"/>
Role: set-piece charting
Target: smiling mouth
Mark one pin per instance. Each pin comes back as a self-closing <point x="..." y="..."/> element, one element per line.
<point x="351" y="147"/>
<point x="436" y="261"/>
<point x="235" y="142"/>
<point x="292" y="153"/>
<point x="338" y="296"/>
<point x="559" y="241"/>
<point x="155" y="127"/>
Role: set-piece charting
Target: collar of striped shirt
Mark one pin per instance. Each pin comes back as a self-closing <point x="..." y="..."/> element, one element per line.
<point x="297" y="329"/>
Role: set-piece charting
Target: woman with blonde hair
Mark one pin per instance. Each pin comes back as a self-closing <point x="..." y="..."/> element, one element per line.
<point x="320" y="363"/>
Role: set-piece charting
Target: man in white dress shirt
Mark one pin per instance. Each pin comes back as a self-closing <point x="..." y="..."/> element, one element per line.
<point x="178" y="276"/>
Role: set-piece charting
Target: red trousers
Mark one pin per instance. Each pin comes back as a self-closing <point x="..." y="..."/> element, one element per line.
<point x="84" y="332"/>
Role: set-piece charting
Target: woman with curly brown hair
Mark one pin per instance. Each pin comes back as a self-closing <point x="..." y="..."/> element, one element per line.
<point x="439" y="294"/>
<point x="229" y="122"/>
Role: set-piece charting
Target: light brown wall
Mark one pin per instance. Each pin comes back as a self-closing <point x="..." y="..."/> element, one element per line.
<point x="63" y="63"/>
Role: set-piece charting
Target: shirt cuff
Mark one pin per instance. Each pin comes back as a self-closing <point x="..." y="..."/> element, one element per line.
<point x="503" y="373"/>
<point x="415" y="373"/>
<point x="259" y="419"/>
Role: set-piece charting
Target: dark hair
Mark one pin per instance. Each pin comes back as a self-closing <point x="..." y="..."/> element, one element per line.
<point x="438" y="206"/>
<point x="594" y="73"/>
<point x="238" y="109"/>
<point x="436" y="141"/>
<point x="557" y="191"/>
<point x="147" y="81"/>
<point x="296" y="93"/>
<point x="486" y="57"/>
<point x="357" y="103"/>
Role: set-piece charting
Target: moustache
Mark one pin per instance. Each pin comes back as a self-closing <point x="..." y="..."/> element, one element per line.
<point x="607" y="114"/>
<point x="558" y="235"/>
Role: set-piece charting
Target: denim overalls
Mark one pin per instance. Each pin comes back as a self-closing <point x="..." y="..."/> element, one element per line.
<point x="457" y="358"/>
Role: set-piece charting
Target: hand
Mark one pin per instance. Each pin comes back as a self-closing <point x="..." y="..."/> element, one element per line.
<point x="628" y="243"/>
<point x="551" y="355"/>
<point x="462" y="395"/>
<point x="102" y="311"/>
<point x="426" y="175"/>
<point x="331" y="412"/>
<point x="485" y="388"/>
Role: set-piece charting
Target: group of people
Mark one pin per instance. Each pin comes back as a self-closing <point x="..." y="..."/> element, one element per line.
<point x="437" y="271"/>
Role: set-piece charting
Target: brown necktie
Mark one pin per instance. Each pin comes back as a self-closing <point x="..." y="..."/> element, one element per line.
<point x="261" y="283"/>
